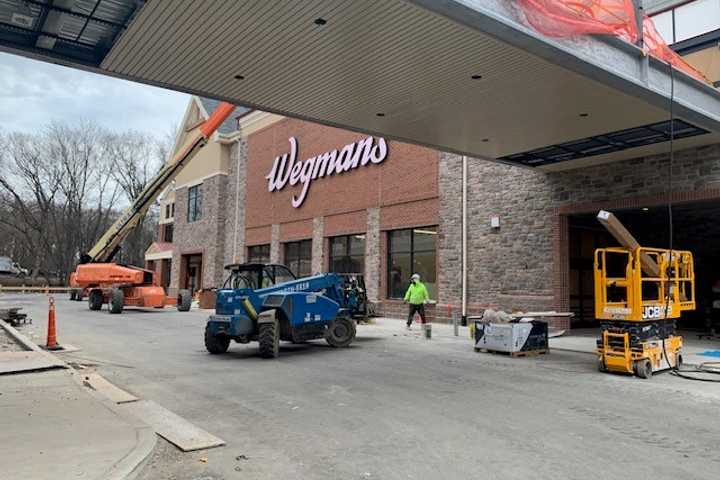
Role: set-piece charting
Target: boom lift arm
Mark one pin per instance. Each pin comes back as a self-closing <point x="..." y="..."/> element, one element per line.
<point x="109" y="244"/>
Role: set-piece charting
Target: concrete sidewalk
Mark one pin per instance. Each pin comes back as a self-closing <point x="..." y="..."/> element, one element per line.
<point x="51" y="426"/>
<point x="579" y="340"/>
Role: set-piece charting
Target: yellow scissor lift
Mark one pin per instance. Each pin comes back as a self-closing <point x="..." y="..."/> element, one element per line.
<point x="632" y="284"/>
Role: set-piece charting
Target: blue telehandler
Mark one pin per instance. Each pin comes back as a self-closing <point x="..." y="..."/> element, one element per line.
<point x="266" y="303"/>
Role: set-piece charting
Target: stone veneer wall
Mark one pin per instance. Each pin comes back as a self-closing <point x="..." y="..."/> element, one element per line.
<point x="318" y="242"/>
<point x="523" y="264"/>
<point x="235" y="206"/>
<point x="372" y="254"/>
<point x="275" y="250"/>
<point x="206" y="235"/>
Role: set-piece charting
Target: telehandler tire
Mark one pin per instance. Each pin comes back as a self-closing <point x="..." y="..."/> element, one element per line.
<point x="269" y="339"/>
<point x="340" y="332"/>
<point x="95" y="300"/>
<point x="216" y="344"/>
<point x="117" y="300"/>
<point x="184" y="301"/>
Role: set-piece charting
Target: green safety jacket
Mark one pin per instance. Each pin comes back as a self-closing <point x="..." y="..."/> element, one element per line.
<point x="416" y="293"/>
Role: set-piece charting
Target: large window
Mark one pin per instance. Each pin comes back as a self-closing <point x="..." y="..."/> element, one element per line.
<point x="298" y="257"/>
<point x="168" y="233"/>
<point x="411" y="251"/>
<point x="688" y="20"/>
<point x="194" y="211"/>
<point x="259" y="254"/>
<point x="347" y="254"/>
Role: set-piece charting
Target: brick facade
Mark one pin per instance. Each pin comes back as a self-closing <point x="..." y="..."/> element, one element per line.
<point x="522" y="265"/>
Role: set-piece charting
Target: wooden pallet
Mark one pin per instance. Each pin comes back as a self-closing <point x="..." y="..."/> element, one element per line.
<point x="524" y="353"/>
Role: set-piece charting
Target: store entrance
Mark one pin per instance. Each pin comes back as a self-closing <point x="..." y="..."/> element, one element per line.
<point x="192" y="278"/>
<point x="695" y="228"/>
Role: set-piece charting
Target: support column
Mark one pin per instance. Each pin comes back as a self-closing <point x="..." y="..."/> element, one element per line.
<point x="372" y="255"/>
<point x="317" y="245"/>
<point x="275" y="256"/>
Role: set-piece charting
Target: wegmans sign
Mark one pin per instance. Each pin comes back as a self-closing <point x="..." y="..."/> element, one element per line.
<point x="287" y="170"/>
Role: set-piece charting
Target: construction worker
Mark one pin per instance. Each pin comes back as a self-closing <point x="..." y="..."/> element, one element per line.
<point x="416" y="296"/>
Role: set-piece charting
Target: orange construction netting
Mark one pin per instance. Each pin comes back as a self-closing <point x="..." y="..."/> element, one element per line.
<point x="565" y="18"/>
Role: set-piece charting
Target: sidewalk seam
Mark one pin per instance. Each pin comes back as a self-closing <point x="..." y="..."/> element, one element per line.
<point x="130" y="465"/>
<point x="29" y="345"/>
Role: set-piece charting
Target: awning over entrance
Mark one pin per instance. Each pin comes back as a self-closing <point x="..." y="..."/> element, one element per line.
<point x="466" y="76"/>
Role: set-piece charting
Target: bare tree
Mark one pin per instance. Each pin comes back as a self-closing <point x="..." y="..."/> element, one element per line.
<point x="58" y="193"/>
<point x="136" y="158"/>
<point x="61" y="188"/>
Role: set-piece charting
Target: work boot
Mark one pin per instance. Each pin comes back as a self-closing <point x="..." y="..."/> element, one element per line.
<point x="409" y="327"/>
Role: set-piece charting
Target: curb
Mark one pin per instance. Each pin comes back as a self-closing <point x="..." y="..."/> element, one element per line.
<point x="31" y="346"/>
<point x="128" y="467"/>
<point x="574" y="351"/>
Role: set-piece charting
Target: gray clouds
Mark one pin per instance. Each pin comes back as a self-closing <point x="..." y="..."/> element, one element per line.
<point x="34" y="93"/>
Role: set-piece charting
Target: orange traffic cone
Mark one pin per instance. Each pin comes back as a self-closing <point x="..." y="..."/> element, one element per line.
<point x="51" y="333"/>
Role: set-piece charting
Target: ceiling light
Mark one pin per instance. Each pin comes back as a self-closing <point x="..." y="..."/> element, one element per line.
<point x="485" y="140"/>
<point x="380" y="114"/>
<point x="645" y="209"/>
<point x="584" y="115"/>
<point x="239" y="77"/>
<point x="320" y="21"/>
<point x="476" y="77"/>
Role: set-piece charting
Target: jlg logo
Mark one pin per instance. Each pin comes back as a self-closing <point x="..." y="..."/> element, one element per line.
<point x="653" y="311"/>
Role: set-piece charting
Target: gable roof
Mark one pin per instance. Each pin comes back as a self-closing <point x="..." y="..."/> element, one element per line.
<point x="229" y="125"/>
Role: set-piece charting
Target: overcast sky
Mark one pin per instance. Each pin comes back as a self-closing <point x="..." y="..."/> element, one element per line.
<point x="33" y="93"/>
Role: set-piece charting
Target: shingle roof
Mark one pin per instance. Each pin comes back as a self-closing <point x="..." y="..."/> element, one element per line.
<point x="229" y="125"/>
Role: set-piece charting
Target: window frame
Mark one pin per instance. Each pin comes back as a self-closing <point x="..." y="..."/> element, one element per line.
<point x="262" y="246"/>
<point x="346" y="255"/>
<point x="294" y="264"/>
<point x="167" y="226"/>
<point x="411" y="252"/>
<point x="194" y="210"/>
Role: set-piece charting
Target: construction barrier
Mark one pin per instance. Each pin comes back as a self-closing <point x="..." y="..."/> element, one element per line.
<point x="567" y="18"/>
<point x="27" y="289"/>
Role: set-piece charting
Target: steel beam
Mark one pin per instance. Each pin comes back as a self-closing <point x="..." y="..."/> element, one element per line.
<point x="607" y="60"/>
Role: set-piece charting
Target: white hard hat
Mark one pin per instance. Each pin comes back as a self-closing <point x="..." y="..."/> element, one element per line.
<point x="415" y="276"/>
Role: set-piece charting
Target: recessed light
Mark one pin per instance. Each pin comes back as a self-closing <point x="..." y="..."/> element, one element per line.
<point x="476" y="77"/>
<point x="584" y="115"/>
<point x="239" y="77"/>
<point x="645" y="209"/>
<point x="380" y="114"/>
<point x="320" y="21"/>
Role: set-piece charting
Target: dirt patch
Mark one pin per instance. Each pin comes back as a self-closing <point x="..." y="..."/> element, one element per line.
<point x="7" y="344"/>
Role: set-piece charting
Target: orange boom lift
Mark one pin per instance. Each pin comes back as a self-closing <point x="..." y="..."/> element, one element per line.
<point x="103" y="281"/>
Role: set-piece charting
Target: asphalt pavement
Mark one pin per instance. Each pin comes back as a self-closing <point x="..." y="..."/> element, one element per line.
<point x="393" y="405"/>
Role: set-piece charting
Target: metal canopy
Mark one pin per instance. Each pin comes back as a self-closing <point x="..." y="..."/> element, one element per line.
<point x="465" y="76"/>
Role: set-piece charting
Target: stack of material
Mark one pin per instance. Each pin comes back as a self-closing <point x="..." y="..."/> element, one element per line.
<point x="499" y="331"/>
<point x="14" y="317"/>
